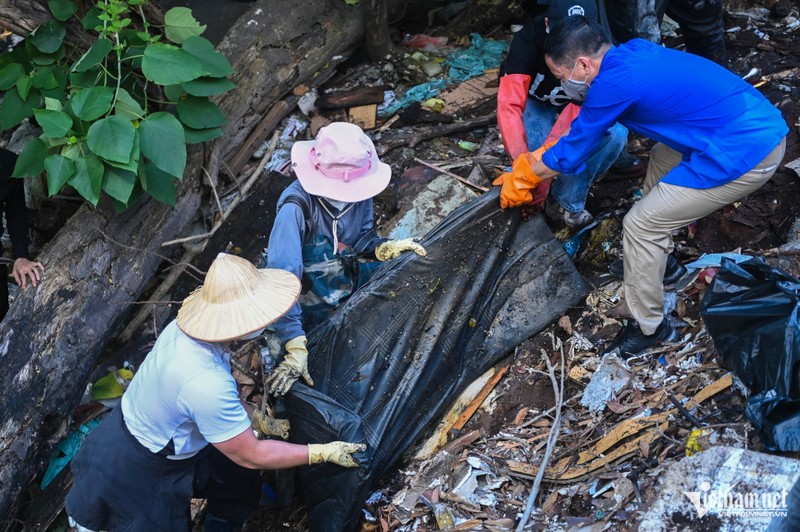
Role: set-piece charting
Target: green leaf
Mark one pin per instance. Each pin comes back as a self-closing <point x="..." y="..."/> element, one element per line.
<point x="127" y="107"/>
<point x="30" y="162"/>
<point x="91" y="20"/>
<point x="51" y="104"/>
<point x="93" y="55"/>
<point x="44" y="78"/>
<point x="158" y="184"/>
<point x="55" y="124"/>
<point x="90" y="104"/>
<point x="119" y="183"/>
<point x="208" y="86"/>
<point x="112" y="138"/>
<point x="162" y="141"/>
<point x="61" y="9"/>
<point x="73" y="151"/>
<point x="180" y="24"/>
<point x="84" y="80"/>
<point x="214" y="62"/>
<point x="196" y="136"/>
<point x="48" y="37"/>
<point x="9" y="75"/>
<point x="168" y="65"/>
<point x="14" y="109"/>
<point x="59" y="170"/>
<point x="174" y="92"/>
<point x="24" y="86"/>
<point x="88" y="178"/>
<point x="37" y="57"/>
<point x="132" y="165"/>
<point x="199" y="113"/>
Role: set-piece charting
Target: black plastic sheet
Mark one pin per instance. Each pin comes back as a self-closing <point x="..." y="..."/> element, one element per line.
<point x="751" y="311"/>
<point x="393" y="358"/>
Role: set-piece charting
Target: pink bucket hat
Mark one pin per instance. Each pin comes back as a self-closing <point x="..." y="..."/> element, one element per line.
<point x="341" y="164"/>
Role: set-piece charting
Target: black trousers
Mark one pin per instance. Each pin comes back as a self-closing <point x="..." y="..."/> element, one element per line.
<point x="121" y="485"/>
<point x="3" y="291"/>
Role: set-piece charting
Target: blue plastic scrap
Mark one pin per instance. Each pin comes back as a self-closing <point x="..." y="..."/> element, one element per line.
<point x="714" y="260"/>
<point x="65" y="450"/>
<point x="483" y="54"/>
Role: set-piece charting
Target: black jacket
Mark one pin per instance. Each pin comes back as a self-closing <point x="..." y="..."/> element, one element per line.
<point x="12" y="199"/>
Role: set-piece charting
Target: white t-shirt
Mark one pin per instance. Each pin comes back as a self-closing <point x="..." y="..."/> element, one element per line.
<point x="183" y="391"/>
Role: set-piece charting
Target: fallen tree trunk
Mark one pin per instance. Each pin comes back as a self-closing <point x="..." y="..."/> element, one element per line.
<point x="99" y="264"/>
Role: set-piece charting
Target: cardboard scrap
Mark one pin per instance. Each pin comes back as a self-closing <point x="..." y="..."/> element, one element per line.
<point x="470" y="92"/>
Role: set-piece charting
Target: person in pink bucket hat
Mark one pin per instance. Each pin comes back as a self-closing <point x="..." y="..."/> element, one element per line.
<point x="324" y="234"/>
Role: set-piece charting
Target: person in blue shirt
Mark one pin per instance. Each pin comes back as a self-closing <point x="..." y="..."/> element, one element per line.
<point x="718" y="140"/>
<point x="324" y="234"/>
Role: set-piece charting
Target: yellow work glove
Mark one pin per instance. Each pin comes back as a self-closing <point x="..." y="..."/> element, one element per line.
<point x="519" y="183"/>
<point x="391" y="249"/>
<point x="335" y="452"/>
<point x="293" y="366"/>
<point x="270" y="426"/>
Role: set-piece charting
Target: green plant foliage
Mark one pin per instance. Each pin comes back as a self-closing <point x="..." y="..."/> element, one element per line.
<point x="54" y="123"/>
<point x="119" y="183"/>
<point x="180" y="24"/>
<point x="168" y="65"/>
<point x="14" y="109"/>
<point x="162" y="141"/>
<point x="48" y="37"/>
<point x="112" y="138"/>
<point x="88" y="177"/>
<point x="207" y="86"/>
<point x="92" y="103"/>
<point x="196" y="136"/>
<point x="9" y="75"/>
<point x="158" y="184"/>
<point x="61" y="9"/>
<point x="215" y="64"/>
<point x="199" y="113"/>
<point x="30" y="162"/>
<point x="59" y="170"/>
<point x="115" y="118"/>
<point x="94" y="55"/>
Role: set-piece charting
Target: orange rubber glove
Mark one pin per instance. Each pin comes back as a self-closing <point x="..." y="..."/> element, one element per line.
<point x="521" y="181"/>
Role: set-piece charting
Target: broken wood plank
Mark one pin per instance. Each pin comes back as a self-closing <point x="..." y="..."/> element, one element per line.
<point x="451" y="174"/>
<point x="478" y="401"/>
<point x="364" y="116"/>
<point x="598" y="456"/>
<point x="354" y="98"/>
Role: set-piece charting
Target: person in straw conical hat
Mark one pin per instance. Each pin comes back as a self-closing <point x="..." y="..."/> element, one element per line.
<point x="139" y="469"/>
<point x="324" y="234"/>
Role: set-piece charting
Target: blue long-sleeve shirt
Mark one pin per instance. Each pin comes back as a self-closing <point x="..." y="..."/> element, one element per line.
<point x="285" y="250"/>
<point x="722" y="125"/>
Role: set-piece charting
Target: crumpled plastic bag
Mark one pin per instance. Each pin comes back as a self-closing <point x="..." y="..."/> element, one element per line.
<point x="751" y="311"/>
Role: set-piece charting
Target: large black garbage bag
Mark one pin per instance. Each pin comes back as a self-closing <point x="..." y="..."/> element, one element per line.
<point x="405" y="345"/>
<point x="751" y="311"/>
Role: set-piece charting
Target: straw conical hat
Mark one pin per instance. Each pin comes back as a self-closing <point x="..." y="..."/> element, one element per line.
<point x="236" y="299"/>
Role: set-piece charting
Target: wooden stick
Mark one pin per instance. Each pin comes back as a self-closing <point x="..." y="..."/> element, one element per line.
<point x="414" y="137"/>
<point x="451" y="174"/>
<point x="473" y="406"/>
<point x="555" y="428"/>
<point x="245" y="189"/>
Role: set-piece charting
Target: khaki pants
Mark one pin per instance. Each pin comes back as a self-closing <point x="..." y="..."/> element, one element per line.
<point x="648" y="226"/>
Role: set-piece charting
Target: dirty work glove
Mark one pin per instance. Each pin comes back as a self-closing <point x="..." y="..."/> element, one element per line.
<point x="391" y="249"/>
<point x="270" y="426"/>
<point x="519" y="183"/>
<point x="293" y="366"/>
<point x="335" y="452"/>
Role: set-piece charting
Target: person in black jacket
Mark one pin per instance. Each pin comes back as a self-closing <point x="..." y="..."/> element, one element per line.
<point x="12" y="199"/>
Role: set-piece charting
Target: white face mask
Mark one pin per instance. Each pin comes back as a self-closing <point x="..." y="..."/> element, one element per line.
<point x="338" y="204"/>
<point x="253" y="335"/>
